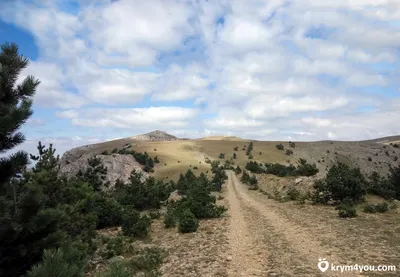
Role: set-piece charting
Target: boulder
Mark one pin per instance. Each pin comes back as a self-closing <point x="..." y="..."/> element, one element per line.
<point x="174" y="196"/>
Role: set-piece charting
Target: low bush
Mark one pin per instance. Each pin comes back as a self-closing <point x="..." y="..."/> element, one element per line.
<point x="254" y="167"/>
<point x="280" y="169"/>
<point x="280" y="146"/>
<point x="369" y="208"/>
<point x="382" y="207"/>
<point x="188" y="223"/>
<point x="293" y="194"/>
<point x="376" y="208"/>
<point x="169" y="219"/>
<point x="341" y="182"/>
<point x="347" y="211"/>
<point x="134" y="224"/>
<point x="292" y="144"/>
<point x="306" y="169"/>
<point x="155" y="214"/>
<point x="289" y="152"/>
<point x="114" y="247"/>
<point x="380" y="186"/>
<point x="108" y="210"/>
<point x="238" y="170"/>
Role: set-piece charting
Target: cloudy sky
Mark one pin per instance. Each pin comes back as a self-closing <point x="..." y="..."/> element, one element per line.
<point x="273" y="70"/>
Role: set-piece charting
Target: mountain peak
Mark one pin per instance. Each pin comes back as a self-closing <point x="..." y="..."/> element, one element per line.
<point x="155" y="135"/>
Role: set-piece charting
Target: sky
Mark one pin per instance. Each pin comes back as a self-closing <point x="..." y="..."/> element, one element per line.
<point x="300" y="70"/>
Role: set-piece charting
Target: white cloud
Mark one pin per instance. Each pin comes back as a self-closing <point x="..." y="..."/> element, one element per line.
<point x="138" y="29"/>
<point x="179" y="83"/>
<point x="50" y="92"/>
<point x="134" y="118"/>
<point x="265" y="69"/>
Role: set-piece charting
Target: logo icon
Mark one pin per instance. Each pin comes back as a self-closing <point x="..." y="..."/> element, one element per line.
<point x="323" y="264"/>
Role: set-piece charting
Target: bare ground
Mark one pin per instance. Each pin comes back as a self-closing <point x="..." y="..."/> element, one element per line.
<point x="268" y="238"/>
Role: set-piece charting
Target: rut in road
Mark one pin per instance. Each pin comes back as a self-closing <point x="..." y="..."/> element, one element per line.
<point x="264" y="243"/>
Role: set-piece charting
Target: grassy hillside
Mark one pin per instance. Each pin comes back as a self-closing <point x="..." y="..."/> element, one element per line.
<point x="179" y="155"/>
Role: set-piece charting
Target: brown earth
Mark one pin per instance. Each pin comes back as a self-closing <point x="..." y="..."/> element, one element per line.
<point x="269" y="238"/>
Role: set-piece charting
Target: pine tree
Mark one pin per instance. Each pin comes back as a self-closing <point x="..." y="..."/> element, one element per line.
<point x="61" y="262"/>
<point x="95" y="174"/>
<point x="19" y="204"/>
<point x="15" y="109"/>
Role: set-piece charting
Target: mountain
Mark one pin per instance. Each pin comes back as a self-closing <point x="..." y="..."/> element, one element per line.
<point x="155" y="136"/>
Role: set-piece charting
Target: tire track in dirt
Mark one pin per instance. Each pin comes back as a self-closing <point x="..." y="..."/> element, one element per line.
<point x="243" y="249"/>
<point x="266" y="244"/>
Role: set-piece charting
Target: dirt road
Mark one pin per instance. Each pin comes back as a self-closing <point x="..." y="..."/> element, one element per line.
<point x="265" y="243"/>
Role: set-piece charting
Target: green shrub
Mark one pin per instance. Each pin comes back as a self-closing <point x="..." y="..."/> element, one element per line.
<point x="249" y="149"/>
<point x="380" y="186"/>
<point x="254" y="167"/>
<point x="155" y="214"/>
<point x="250" y="156"/>
<point x="280" y="146"/>
<point x="188" y="223"/>
<point x="56" y="263"/>
<point x="376" y="208"/>
<point x="142" y="194"/>
<point x="222" y="156"/>
<point x="306" y="169"/>
<point x="280" y="169"/>
<point x="238" y="170"/>
<point x="381" y="207"/>
<point x="289" y="152"/>
<point x="134" y="224"/>
<point x="369" y="208"/>
<point x="235" y="148"/>
<point x="292" y="144"/>
<point x="347" y="211"/>
<point x="170" y="219"/>
<point x="114" y="247"/>
<point x="293" y="194"/>
<point x="147" y="260"/>
<point x="341" y="182"/>
<point x="117" y="269"/>
<point x="108" y="210"/>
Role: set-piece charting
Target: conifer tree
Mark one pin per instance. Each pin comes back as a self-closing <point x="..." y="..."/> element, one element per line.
<point x="15" y="109"/>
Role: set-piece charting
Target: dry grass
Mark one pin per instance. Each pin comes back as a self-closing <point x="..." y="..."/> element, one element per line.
<point x="177" y="156"/>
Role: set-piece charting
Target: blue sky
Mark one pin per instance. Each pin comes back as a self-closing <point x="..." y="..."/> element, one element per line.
<point x="272" y="70"/>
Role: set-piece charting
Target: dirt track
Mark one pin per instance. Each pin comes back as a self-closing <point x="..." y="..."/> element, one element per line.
<point x="264" y="243"/>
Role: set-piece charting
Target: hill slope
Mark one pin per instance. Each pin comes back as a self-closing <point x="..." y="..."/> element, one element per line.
<point x="177" y="155"/>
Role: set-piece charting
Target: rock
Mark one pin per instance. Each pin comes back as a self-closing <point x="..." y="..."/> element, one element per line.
<point x="118" y="166"/>
<point x="229" y="258"/>
<point x="298" y="181"/>
<point x="155" y="136"/>
<point x="174" y="196"/>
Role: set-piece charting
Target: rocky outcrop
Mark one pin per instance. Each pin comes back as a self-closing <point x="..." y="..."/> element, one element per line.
<point x="155" y="136"/>
<point x="174" y="196"/>
<point x="118" y="166"/>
